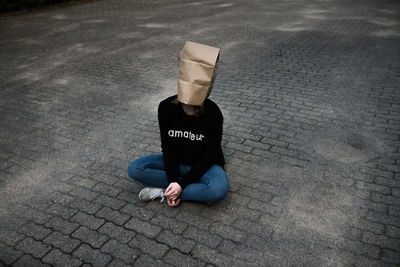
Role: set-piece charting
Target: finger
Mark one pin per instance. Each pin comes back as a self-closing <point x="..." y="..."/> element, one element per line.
<point x="168" y="189"/>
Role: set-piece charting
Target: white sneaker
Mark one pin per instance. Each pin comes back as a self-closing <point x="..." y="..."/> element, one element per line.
<point x="151" y="193"/>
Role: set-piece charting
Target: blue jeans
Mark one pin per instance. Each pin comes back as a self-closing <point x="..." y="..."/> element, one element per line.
<point x="212" y="187"/>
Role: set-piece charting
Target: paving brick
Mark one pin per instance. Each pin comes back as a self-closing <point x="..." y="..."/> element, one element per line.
<point x="149" y="246"/>
<point x="83" y="182"/>
<point x="112" y="215"/>
<point x="28" y="260"/>
<point x="385" y="199"/>
<point x="120" y="251"/>
<point x="142" y="227"/>
<point x="228" y="232"/>
<point x="85" y="206"/>
<point x="119" y="233"/>
<point x="146" y="260"/>
<point x="176" y="258"/>
<point x="262" y="230"/>
<point x="394" y="211"/>
<point x="107" y="189"/>
<point x="90" y="237"/>
<point x="373" y="187"/>
<point x="392" y="231"/>
<point x="63" y="242"/>
<point x="10" y="237"/>
<point x="390" y="256"/>
<point x="202" y="237"/>
<point x="38" y="232"/>
<point x="57" y="258"/>
<point x="383" y="218"/>
<point x="90" y="221"/>
<point x="61" y="198"/>
<point x="168" y="223"/>
<point x="8" y="255"/>
<point x="61" y="225"/>
<point x="90" y="255"/>
<point x="138" y="212"/>
<point x="36" y="216"/>
<point x="381" y="241"/>
<point x="62" y="211"/>
<point x="211" y="256"/>
<point x="175" y="241"/>
<point x="357" y="247"/>
<point x="110" y="202"/>
<point x="84" y="193"/>
<point x="36" y="248"/>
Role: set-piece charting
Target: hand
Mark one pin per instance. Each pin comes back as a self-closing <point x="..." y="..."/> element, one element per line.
<point x="172" y="194"/>
<point x="173" y="202"/>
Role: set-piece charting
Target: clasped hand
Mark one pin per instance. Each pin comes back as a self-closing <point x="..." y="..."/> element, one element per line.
<point x="172" y="194"/>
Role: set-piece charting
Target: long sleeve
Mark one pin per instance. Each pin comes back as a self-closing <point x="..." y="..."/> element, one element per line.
<point x="171" y="159"/>
<point x="210" y="153"/>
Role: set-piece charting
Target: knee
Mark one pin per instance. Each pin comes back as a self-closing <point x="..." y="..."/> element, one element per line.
<point x="219" y="190"/>
<point x="134" y="168"/>
<point x="218" y="193"/>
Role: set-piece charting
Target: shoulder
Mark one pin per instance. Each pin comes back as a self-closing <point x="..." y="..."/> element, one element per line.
<point x="166" y="104"/>
<point x="212" y="109"/>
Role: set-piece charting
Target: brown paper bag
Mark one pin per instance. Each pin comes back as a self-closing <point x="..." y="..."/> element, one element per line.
<point x="197" y="71"/>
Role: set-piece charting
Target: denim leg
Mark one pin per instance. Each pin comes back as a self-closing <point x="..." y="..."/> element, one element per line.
<point x="212" y="187"/>
<point x="149" y="170"/>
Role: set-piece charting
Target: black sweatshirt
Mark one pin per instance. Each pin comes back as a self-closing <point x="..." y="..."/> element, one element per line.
<point x="190" y="139"/>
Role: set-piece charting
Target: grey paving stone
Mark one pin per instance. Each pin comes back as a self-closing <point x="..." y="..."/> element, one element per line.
<point x="259" y="229"/>
<point x="8" y="255"/>
<point x="142" y="227"/>
<point x="168" y="223"/>
<point x="61" y="225"/>
<point x="390" y="256"/>
<point x="203" y="237"/>
<point x="88" y="220"/>
<point x="10" y="237"/>
<point x="38" y="232"/>
<point x="112" y="215"/>
<point x="381" y="241"/>
<point x="28" y="260"/>
<point x="85" y="206"/>
<point x="107" y="189"/>
<point x="194" y="220"/>
<point x="392" y="231"/>
<point x="138" y="212"/>
<point x="146" y="260"/>
<point x="84" y="193"/>
<point x="175" y="241"/>
<point x="61" y="241"/>
<point x="62" y="211"/>
<point x="119" y="263"/>
<point x="117" y="232"/>
<point x="110" y="202"/>
<point x="211" y="256"/>
<point x="31" y="214"/>
<point x="149" y="246"/>
<point x="90" y="237"/>
<point x="174" y="257"/>
<point x="57" y="258"/>
<point x="228" y="232"/>
<point x="120" y="251"/>
<point x="93" y="256"/>
<point x="36" y="248"/>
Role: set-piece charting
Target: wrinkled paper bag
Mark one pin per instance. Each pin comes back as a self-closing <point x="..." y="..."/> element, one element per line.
<point x="197" y="71"/>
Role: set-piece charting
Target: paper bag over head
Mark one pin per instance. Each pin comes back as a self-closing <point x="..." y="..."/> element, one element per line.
<point x="197" y="71"/>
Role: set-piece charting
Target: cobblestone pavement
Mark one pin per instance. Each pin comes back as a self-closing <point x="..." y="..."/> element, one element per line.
<point x="310" y="95"/>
